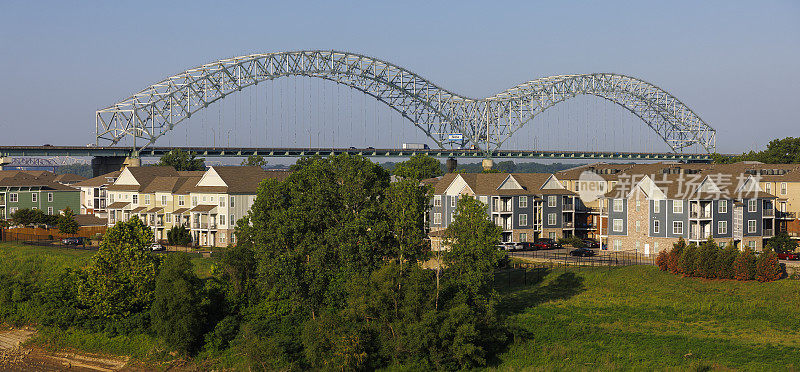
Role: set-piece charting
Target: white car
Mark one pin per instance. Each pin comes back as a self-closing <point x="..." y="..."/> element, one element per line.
<point x="157" y="247"/>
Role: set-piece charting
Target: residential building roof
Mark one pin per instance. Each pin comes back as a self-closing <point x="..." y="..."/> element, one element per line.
<point x="102" y="180"/>
<point x="69" y="178"/>
<point x="117" y="205"/>
<point x="89" y="220"/>
<point x="24" y="180"/>
<point x="492" y="183"/>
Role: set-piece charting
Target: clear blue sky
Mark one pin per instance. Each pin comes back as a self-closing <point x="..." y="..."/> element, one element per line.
<point x="734" y="62"/>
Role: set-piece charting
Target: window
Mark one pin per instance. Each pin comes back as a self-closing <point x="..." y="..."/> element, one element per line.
<point x="231" y="203"/>
<point x="618" y="205"/>
<point x="752" y="205"/>
<point x="163" y="200"/>
<point x="13" y="197"/>
<point x="551" y="235"/>
<point x="783" y="188"/>
<point x="656" y="226"/>
<point x="551" y="219"/>
<point x="523" y="237"/>
<point x="222" y="238"/>
<point x="722" y="207"/>
<point x="111" y="197"/>
<point x="34" y="208"/>
<point x="484" y="200"/>
<point x="677" y="227"/>
<point x="677" y="206"/>
<point x="50" y="210"/>
<point x="49" y="197"/>
<point x="211" y="198"/>
<point x="222" y="219"/>
<point x="751" y="244"/>
<point x="551" y="201"/>
<point x="205" y="198"/>
<point x="638" y="204"/>
<point x="34" y="197"/>
<point x="147" y="200"/>
<point x="523" y="220"/>
<point x="751" y="226"/>
<point x="617" y="245"/>
<point x="722" y="227"/>
<point x="617" y="225"/>
<point x="168" y="217"/>
<point x="453" y="200"/>
<point x="437" y="200"/>
<point x="181" y="201"/>
<point x="523" y="202"/>
<point x="233" y="219"/>
<point x="437" y="218"/>
<point x="636" y="245"/>
<point x="656" y="207"/>
<point x="768" y="188"/>
<point x="655" y="247"/>
<point x="135" y="199"/>
<point x="222" y="201"/>
<point x="12" y="210"/>
<point x="194" y="201"/>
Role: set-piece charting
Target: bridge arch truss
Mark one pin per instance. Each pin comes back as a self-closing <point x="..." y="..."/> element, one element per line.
<point x="483" y="123"/>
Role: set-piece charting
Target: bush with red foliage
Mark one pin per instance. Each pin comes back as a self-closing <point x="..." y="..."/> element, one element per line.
<point x="662" y="260"/>
<point x="674" y="256"/>
<point x="744" y="267"/>
<point x="767" y="266"/>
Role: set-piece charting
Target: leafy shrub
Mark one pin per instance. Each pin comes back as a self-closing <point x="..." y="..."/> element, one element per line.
<point x="662" y="260"/>
<point x="782" y="243"/>
<point x="767" y="266"/>
<point x="176" y="314"/>
<point x="687" y="260"/>
<point x="673" y="261"/>
<point x="573" y="241"/>
<point x="705" y="265"/>
<point x="744" y="267"/>
<point x="725" y="262"/>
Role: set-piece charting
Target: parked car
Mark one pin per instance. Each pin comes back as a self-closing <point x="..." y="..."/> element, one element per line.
<point x="581" y="252"/>
<point x="789" y="256"/>
<point x="157" y="247"/>
<point x="525" y="246"/>
<point x="547" y="244"/>
<point x="72" y="241"/>
<point x="591" y="243"/>
<point x="507" y="246"/>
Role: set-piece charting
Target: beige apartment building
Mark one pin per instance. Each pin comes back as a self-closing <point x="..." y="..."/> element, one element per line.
<point x="207" y="202"/>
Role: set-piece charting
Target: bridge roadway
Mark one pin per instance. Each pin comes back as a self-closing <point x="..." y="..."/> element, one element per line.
<point x="96" y="151"/>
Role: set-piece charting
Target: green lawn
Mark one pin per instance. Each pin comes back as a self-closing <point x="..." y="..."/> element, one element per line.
<point x="640" y="318"/>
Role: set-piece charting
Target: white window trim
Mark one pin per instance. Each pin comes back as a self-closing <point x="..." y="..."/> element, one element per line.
<point x="656" y="226"/>
<point x="551" y="217"/>
<point x="34" y="197"/>
<point x="677" y="227"/>
<point x="618" y="205"/>
<point x="523" y="202"/>
<point x="617" y="225"/>
<point x="453" y="200"/>
<point x="523" y="219"/>
<point x="751" y="226"/>
<point x="49" y="197"/>
<point x="722" y="227"/>
<point x="437" y="218"/>
<point x="677" y="206"/>
<point x="656" y="207"/>
<point x="551" y="201"/>
<point x="437" y="200"/>
<point x="752" y="205"/>
<point x="722" y="207"/>
<point x="784" y="188"/>
<point x="13" y="197"/>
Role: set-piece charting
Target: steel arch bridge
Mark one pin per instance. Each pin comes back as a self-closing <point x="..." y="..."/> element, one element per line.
<point x="484" y="123"/>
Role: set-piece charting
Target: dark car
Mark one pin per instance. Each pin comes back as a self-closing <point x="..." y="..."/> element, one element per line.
<point x="581" y="252"/>
<point x="526" y="246"/>
<point x="789" y="256"/>
<point x="72" y="241"/>
<point x="591" y="243"/>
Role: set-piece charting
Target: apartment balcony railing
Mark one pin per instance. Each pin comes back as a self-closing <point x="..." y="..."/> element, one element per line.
<point x="584" y="225"/>
<point x="787" y="215"/>
<point x="568" y="207"/>
<point x="502" y="210"/>
<point x="698" y="236"/>
<point x="768" y="232"/>
<point x="700" y="214"/>
<point x="205" y="226"/>
<point x="768" y="212"/>
<point x="569" y="225"/>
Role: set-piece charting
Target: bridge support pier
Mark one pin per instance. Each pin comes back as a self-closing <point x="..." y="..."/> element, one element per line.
<point x="107" y="164"/>
<point x="487" y="164"/>
<point x="5" y="160"/>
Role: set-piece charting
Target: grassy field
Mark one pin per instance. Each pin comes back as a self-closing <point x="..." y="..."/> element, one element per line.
<point x="640" y="318"/>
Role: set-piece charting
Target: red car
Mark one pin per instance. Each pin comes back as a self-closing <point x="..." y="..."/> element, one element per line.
<point x="789" y="256"/>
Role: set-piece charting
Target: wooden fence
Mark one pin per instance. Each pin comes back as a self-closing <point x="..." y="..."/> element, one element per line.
<point x="40" y="233"/>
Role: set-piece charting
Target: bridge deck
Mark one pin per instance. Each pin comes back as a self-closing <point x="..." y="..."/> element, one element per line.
<point x="77" y="151"/>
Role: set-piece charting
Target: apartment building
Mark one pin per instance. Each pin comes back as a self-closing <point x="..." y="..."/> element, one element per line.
<point x="35" y="190"/>
<point x="527" y="206"/>
<point x="207" y="202"/>
<point x="94" y="194"/>
<point x="659" y="209"/>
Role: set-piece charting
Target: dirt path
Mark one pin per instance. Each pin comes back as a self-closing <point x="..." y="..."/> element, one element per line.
<point x="15" y="357"/>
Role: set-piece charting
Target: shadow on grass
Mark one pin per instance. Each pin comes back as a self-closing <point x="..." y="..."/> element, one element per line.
<point x="562" y="287"/>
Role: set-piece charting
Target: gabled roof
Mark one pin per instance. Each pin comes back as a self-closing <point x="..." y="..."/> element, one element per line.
<point x="99" y="180"/>
<point x="25" y="180"/>
<point x="68" y="178"/>
<point x="502" y="183"/>
<point x="239" y="179"/>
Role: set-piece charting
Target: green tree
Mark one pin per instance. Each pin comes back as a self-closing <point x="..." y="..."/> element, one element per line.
<point x="767" y="266"/>
<point x="24" y="217"/>
<point x="473" y="255"/>
<point x="121" y="278"/>
<point x="255" y="161"/>
<point x="419" y="167"/>
<point x="687" y="260"/>
<point x="179" y="235"/>
<point x="67" y="223"/>
<point x="407" y="203"/>
<point x="176" y="314"/>
<point x="782" y="243"/>
<point x="778" y="151"/>
<point x="182" y="161"/>
<point x="744" y="267"/>
<point x="705" y="265"/>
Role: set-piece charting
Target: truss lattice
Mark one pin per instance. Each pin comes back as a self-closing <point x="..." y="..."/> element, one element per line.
<point x="484" y="123"/>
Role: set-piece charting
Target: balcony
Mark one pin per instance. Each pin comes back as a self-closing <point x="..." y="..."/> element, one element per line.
<point x="569" y="225"/>
<point x="782" y="215"/>
<point x="568" y="207"/>
<point x="768" y="212"/>
<point x="698" y="236"/>
<point x="206" y="226"/>
<point x="700" y="215"/>
<point x="768" y="232"/>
